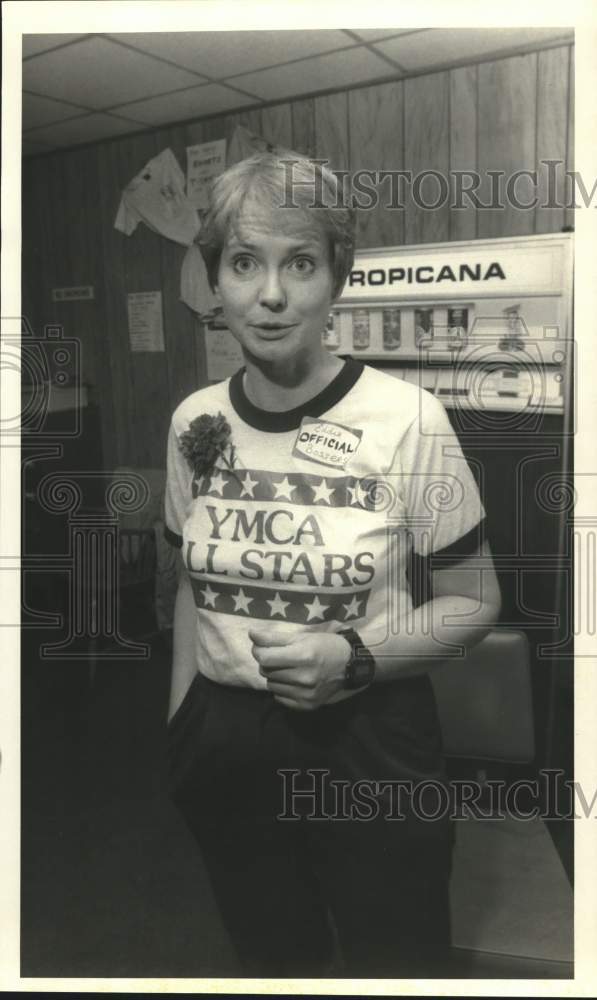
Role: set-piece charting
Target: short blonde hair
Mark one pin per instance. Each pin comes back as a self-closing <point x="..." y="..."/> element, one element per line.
<point x="302" y="186"/>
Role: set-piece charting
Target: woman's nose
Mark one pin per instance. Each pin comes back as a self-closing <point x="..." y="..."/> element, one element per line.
<point x="272" y="292"/>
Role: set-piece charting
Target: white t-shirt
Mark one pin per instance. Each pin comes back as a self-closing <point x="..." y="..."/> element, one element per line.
<point x="156" y="196"/>
<point x="312" y="526"/>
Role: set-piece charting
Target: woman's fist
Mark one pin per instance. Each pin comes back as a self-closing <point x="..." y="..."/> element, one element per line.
<point x="304" y="670"/>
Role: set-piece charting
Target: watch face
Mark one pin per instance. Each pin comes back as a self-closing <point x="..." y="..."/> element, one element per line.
<point x="360" y="669"/>
<point x="360" y="672"/>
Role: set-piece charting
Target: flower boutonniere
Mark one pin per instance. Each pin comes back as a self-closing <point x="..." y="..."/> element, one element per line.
<point x="207" y="441"/>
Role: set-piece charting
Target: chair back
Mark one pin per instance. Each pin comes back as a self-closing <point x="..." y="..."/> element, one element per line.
<point x="485" y="701"/>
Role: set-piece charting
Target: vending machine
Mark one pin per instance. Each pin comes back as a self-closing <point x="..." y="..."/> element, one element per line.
<point x="486" y="325"/>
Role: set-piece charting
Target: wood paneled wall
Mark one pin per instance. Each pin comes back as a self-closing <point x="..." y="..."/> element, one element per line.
<point x="505" y="115"/>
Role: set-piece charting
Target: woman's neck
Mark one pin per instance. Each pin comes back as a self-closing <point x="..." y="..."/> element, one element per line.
<point x="291" y="385"/>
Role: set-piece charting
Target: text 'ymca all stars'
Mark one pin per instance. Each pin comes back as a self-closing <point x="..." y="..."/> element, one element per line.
<point x="235" y="526"/>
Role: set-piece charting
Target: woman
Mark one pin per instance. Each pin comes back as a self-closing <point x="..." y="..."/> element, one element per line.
<point x="302" y="720"/>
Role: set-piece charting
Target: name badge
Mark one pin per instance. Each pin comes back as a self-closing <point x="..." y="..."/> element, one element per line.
<point x="326" y="443"/>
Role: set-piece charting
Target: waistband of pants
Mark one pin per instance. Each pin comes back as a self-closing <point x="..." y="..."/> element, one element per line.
<point x="239" y="690"/>
<point x="397" y="684"/>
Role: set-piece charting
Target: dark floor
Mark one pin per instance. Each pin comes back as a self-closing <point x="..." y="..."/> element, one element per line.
<point x="112" y="884"/>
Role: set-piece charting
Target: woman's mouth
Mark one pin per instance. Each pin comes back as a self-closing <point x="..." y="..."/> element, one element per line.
<point x="272" y="330"/>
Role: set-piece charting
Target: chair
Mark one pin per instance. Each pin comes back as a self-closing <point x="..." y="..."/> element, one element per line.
<point x="511" y="903"/>
<point x="148" y="569"/>
<point x="142" y="590"/>
<point x="137" y="564"/>
<point x="484" y="701"/>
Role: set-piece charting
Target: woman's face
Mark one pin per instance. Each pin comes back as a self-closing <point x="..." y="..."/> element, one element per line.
<point x="275" y="286"/>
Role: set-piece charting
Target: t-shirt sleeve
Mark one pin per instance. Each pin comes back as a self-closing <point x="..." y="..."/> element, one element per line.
<point x="178" y="489"/>
<point x="442" y="506"/>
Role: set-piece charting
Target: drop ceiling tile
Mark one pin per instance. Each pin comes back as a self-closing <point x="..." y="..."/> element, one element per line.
<point x="88" y="128"/>
<point x="370" y="34"/>
<point x="445" y="45"/>
<point x="339" y="70"/>
<point x="221" y="53"/>
<point x="44" y="111"/>
<point x="34" y="44"/>
<point x="186" y="104"/>
<point x="100" y="74"/>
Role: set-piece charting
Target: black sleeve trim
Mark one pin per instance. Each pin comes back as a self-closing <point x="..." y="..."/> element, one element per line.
<point x="418" y="571"/>
<point x="172" y="538"/>
<point x="463" y="546"/>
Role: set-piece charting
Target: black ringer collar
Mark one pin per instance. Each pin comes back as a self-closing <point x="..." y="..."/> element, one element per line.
<point x="289" y="420"/>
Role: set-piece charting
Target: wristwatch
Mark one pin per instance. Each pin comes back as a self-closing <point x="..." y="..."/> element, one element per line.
<point x="360" y="669"/>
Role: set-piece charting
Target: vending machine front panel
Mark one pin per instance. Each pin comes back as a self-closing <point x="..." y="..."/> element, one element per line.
<point x="501" y="305"/>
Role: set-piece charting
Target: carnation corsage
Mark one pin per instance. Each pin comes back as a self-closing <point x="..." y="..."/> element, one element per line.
<point x="206" y="442"/>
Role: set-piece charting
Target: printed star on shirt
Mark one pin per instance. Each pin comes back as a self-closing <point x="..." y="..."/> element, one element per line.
<point x="352" y="609"/>
<point x="278" y="606"/>
<point x="322" y="492"/>
<point x="217" y="483"/>
<point x="209" y="596"/>
<point x="241" y="601"/>
<point x="283" y="489"/>
<point x="248" y="485"/>
<point x="316" y="609"/>
<point x="353" y="499"/>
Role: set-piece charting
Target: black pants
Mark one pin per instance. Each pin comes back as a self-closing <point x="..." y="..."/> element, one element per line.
<point x="287" y="887"/>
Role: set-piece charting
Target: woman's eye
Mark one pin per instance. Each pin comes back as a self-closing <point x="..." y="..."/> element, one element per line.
<point x="243" y="265"/>
<point x="304" y="265"/>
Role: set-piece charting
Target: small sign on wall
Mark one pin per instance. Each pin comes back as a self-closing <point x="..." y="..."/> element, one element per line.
<point x="223" y="354"/>
<point x="146" y="327"/>
<point x="205" y="161"/>
<point x="73" y="294"/>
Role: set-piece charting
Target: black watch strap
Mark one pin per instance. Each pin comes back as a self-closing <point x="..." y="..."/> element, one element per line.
<point x="360" y="669"/>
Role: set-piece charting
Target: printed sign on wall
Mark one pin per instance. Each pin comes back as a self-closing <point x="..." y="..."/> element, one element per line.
<point x="146" y="327"/>
<point x="204" y="162"/>
<point x="223" y="354"/>
<point x="75" y="293"/>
